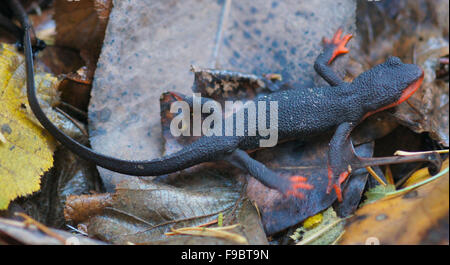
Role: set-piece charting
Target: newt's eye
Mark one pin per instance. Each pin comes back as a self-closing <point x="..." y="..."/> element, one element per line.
<point x="392" y="60"/>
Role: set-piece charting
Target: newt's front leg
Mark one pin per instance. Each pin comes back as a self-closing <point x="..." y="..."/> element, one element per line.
<point x="332" y="49"/>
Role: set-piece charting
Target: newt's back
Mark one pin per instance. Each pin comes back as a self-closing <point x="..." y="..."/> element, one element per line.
<point x="302" y="112"/>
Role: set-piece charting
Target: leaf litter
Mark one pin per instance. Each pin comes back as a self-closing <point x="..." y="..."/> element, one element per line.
<point x="236" y="66"/>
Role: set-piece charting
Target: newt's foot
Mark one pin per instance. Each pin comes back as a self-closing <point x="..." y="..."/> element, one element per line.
<point x="336" y="185"/>
<point x="338" y="43"/>
<point x="298" y="182"/>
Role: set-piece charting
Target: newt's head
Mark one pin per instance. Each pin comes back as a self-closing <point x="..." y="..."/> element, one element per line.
<point x="388" y="84"/>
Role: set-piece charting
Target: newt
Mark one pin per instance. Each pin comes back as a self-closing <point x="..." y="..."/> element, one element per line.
<point x="302" y="113"/>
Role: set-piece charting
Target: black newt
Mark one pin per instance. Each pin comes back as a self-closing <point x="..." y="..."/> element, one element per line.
<point x="302" y="113"/>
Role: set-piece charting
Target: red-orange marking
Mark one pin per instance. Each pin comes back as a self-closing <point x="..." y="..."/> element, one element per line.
<point x="298" y="182"/>
<point x="340" y="44"/>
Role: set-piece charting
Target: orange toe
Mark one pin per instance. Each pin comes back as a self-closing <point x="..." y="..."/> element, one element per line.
<point x="298" y="178"/>
<point x="298" y="182"/>
<point x="339" y="44"/>
<point x="337" y="188"/>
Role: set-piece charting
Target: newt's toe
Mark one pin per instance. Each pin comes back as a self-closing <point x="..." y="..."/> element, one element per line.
<point x="336" y="186"/>
<point x="339" y="44"/>
<point x="297" y="183"/>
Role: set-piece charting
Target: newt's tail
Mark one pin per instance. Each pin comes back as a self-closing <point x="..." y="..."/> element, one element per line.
<point x="203" y="150"/>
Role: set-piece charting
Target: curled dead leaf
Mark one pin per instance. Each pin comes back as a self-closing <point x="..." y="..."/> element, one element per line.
<point x="80" y="208"/>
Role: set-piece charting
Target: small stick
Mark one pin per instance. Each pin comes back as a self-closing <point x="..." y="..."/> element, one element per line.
<point x="30" y="221"/>
<point x="405" y="153"/>
<point x="75" y="122"/>
<point x="209" y="223"/>
<point x="375" y="176"/>
<point x="388" y="175"/>
<point x="73" y="108"/>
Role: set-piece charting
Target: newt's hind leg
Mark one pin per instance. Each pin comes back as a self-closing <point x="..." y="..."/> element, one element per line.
<point x="342" y="159"/>
<point x="289" y="187"/>
<point x="332" y="49"/>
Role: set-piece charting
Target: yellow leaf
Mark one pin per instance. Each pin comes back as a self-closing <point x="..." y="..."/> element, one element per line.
<point x="27" y="150"/>
<point x="313" y="221"/>
<point x="421" y="175"/>
<point x="328" y="228"/>
<point x="418" y="176"/>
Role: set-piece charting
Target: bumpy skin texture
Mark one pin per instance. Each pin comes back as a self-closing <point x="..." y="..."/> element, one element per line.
<point x="302" y="113"/>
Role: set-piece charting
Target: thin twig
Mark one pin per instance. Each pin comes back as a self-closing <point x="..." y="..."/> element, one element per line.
<point x="405" y="153"/>
<point x="30" y="221"/>
<point x="73" y="108"/>
<point x="375" y="176"/>
<point x="75" y="122"/>
<point x="222" y="24"/>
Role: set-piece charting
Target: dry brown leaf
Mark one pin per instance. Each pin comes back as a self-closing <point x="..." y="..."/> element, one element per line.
<point x="81" y="24"/>
<point x="80" y="208"/>
<point x="417" y="217"/>
<point x="417" y="32"/>
<point x="141" y="211"/>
